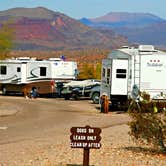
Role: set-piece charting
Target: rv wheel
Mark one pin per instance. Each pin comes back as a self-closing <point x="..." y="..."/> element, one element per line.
<point x="67" y="96"/>
<point x="95" y="98"/>
<point x="75" y="96"/>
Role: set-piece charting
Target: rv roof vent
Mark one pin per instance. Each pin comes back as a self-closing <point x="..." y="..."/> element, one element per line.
<point x="145" y="48"/>
<point x="125" y="46"/>
<point x="23" y="58"/>
<point x="54" y="59"/>
<point x="33" y="58"/>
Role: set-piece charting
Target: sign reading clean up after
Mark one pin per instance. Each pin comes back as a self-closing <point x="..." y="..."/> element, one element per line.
<point x="85" y="137"/>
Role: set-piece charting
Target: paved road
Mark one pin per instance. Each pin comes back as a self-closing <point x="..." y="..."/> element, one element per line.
<point x="35" y="118"/>
<point x="47" y="120"/>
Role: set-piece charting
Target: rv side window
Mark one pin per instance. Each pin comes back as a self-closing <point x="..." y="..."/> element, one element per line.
<point x="42" y="71"/>
<point x="130" y="74"/>
<point x="103" y="73"/>
<point x="121" y="73"/>
<point x="3" y="70"/>
<point x="120" y="70"/>
<point x="108" y="72"/>
<point x="18" y="69"/>
<point x="108" y="80"/>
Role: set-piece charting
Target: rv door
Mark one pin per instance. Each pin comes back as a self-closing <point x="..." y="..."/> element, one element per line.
<point x="23" y="72"/>
<point x="106" y="77"/>
<point x="119" y="77"/>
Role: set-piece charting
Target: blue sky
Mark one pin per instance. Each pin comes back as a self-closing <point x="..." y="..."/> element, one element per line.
<point x="91" y="8"/>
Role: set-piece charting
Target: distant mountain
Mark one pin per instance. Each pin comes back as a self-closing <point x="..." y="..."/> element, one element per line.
<point x="154" y="34"/>
<point x="33" y="13"/>
<point x="141" y="28"/>
<point x="122" y="19"/>
<point x="43" y="29"/>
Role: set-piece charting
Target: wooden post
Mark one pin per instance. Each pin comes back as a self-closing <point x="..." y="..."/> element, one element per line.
<point x="86" y="157"/>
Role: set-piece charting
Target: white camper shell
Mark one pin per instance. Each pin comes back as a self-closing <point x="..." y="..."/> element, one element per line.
<point x="143" y="67"/>
<point x="18" y="73"/>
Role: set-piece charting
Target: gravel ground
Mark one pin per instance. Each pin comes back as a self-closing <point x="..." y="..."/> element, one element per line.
<point x="118" y="149"/>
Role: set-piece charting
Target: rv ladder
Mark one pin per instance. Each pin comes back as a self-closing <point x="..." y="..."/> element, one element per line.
<point x="137" y="68"/>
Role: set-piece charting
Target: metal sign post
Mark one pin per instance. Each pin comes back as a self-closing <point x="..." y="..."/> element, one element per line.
<point x="85" y="137"/>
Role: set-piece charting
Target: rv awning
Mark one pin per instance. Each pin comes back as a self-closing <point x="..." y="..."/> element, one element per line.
<point x="117" y="54"/>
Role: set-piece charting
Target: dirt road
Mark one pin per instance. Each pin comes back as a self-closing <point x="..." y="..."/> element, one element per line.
<point x="37" y="132"/>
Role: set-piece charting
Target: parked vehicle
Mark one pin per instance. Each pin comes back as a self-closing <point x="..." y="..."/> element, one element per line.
<point x="143" y="68"/>
<point x="95" y="94"/>
<point x="18" y="74"/>
<point x="77" y="89"/>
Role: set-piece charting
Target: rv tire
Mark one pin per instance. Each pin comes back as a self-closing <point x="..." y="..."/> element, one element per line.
<point x="95" y="97"/>
<point x="67" y="96"/>
<point x="75" y="96"/>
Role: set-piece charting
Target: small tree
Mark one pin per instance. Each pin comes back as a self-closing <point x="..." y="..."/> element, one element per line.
<point x="86" y="72"/>
<point x="98" y="71"/>
<point x="149" y="127"/>
<point x="6" y="40"/>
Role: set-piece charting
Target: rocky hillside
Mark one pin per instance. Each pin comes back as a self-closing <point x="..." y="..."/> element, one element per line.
<point x="43" y="29"/>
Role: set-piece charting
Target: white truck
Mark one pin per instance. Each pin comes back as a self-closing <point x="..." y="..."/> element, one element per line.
<point x="18" y="74"/>
<point x="143" y="67"/>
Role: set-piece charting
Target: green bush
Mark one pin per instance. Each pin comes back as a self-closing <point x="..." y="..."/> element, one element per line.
<point x="6" y="40"/>
<point x="148" y="126"/>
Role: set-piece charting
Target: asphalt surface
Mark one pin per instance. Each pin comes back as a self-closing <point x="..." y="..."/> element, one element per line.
<point x="23" y="121"/>
<point x="22" y="118"/>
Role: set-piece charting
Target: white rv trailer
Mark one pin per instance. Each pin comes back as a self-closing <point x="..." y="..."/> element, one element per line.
<point x="17" y="74"/>
<point x="128" y="67"/>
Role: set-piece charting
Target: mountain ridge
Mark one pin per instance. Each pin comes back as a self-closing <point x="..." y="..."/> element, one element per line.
<point x="140" y="28"/>
<point x="119" y="19"/>
<point x="38" y="12"/>
<point x="39" y="28"/>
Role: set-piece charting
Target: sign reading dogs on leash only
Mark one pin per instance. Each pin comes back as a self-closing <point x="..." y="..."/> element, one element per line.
<point x="85" y="137"/>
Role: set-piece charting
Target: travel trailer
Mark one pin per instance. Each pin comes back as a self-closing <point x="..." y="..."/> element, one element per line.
<point x="129" y="70"/>
<point x="19" y="74"/>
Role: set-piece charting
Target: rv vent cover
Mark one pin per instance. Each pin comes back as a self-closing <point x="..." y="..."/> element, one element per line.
<point x="23" y="58"/>
<point x="146" y="48"/>
<point x="54" y="59"/>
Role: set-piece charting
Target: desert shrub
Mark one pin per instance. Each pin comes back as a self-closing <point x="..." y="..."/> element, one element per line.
<point x="148" y="126"/>
<point x="6" y="40"/>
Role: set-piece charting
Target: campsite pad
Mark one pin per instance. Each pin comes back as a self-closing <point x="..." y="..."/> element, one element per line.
<point x="7" y="109"/>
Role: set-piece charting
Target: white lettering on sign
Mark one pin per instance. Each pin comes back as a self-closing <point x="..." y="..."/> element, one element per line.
<point x="79" y="137"/>
<point x="84" y="138"/>
<point x="78" y="144"/>
<point x="91" y="138"/>
<point x="81" y="130"/>
<point x="84" y="145"/>
<point x="91" y="130"/>
<point x="94" y="145"/>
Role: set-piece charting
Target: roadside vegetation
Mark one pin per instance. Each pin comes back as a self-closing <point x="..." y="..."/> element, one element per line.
<point x="148" y="123"/>
<point x="6" y="40"/>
